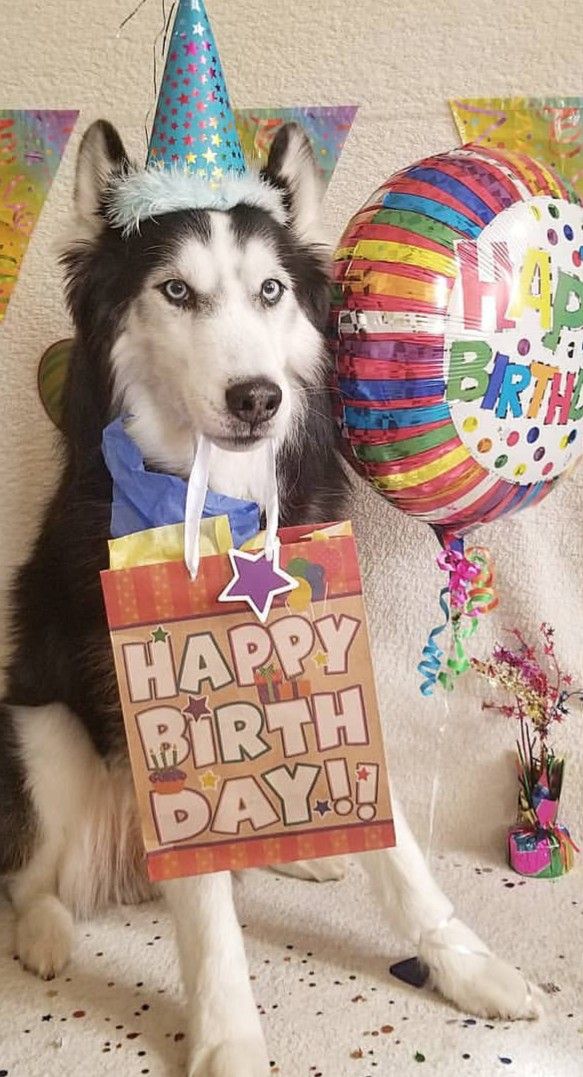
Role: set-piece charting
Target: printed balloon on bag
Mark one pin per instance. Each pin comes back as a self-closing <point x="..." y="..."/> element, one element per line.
<point x="457" y="325"/>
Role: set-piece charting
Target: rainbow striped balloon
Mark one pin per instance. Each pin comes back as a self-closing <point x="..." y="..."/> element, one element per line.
<point x="457" y="325"/>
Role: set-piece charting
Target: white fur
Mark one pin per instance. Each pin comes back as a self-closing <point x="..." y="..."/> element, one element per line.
<point x="93" y="173"/>
<point x="223" y="1023"/>
<point x="462" y="967"/>
<point x="305" y="185"/>
<point x="172" y="367"/>
<point x="152" y="192"/>
<point x="90" y="849"/>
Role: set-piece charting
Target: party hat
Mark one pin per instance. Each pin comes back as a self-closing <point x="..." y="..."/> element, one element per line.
<point x="194" y="123"/>
<point x="195" y="160"/>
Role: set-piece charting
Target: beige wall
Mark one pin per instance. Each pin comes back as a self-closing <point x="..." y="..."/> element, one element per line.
<point x="400" y="61"/>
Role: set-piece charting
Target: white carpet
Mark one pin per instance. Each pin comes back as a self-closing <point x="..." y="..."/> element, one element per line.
<point x="319" y="956"/>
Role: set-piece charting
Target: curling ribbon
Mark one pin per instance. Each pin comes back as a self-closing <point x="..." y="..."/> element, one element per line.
<point x="471" y="593"/>
<point x="431" y="655"/>
<point x="459" y="662"/>
<point x="482" y="597"/>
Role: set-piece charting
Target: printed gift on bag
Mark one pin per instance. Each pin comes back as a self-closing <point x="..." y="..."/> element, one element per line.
<point x="248" y="696"/>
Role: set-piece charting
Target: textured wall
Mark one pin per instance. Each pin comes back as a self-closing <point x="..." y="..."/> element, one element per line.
<point x="400" y="61"/>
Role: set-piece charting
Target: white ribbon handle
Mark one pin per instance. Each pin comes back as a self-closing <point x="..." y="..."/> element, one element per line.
<point x="271" y="502"/>
<point x="195" y="499"/>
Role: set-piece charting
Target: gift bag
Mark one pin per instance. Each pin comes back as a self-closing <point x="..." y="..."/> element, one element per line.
<point x="248" y="696"/>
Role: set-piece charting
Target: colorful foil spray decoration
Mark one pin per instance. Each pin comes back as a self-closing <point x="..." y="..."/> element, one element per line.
<point x="538" y="845"/>
<point x="548" y="128"/>
<point x="457" y="325"/>
<point x="31" y="146"/>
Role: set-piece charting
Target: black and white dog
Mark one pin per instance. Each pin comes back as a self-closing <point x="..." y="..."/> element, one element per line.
<point x="201" y="321"/>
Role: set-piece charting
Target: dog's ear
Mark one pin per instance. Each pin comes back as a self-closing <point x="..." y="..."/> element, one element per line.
<point x="291" y="166"/>
<point x="101" y="154"/>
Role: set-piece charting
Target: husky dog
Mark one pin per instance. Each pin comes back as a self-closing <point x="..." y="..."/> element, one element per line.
<point x="199" y="322"/>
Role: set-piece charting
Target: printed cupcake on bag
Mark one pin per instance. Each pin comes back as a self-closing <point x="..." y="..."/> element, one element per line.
<point x="538" y="845"/>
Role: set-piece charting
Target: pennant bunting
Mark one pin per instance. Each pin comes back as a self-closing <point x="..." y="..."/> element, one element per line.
<point x="31" y="146"/>
<point x="550" y="129"/>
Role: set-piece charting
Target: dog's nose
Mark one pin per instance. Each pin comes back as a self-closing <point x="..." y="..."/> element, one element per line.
<point x="254" y="401"/>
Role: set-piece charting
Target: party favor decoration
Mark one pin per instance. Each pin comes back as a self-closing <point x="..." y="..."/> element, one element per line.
<point x="457" y="324"/>
<point x="327" y="127"/>
<point x="548" y="128"/>
<point x="31" y="146"/>
<point x="250" y="743"/>
<point x="538" y="845"/>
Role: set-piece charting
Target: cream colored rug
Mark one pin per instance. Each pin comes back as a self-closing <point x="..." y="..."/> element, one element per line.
<point x="319" y="957"/>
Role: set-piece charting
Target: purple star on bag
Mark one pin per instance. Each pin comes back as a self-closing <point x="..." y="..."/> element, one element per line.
<point x="256" y="581"/>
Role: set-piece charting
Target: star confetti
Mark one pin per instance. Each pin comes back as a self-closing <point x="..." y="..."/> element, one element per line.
<point x="197" y="707"/>
<point x="256" y="581"/>
<point x="209" y="780"/>
<point x="159" y="635"/>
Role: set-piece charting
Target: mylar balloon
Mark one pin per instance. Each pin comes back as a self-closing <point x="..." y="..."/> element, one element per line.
<point x="458" y="330"/>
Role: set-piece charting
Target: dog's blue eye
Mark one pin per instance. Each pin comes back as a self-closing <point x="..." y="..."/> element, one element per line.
<point x="271" y="290"/>
<point x="176" y="291"/>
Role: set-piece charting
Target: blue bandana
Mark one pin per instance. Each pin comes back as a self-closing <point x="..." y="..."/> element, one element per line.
<point x="142" y="499"/>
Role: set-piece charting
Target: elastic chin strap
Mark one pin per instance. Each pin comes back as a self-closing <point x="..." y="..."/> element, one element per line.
<point x="196" y="496"/>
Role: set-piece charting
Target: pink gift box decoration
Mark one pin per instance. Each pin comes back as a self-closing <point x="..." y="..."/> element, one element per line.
<point x="543" y="854"/>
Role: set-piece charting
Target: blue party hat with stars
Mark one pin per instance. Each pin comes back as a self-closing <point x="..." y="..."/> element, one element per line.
<point x="194" y="123"/>
<point x="195" y="160"/>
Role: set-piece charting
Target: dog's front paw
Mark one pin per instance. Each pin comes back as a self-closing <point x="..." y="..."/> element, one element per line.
<point x="232" y="1058"/>
<point x="44" y="937"/>
<point x="478" y="982"/>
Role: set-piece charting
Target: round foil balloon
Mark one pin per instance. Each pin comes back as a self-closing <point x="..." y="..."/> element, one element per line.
<point x="458" y="330"/>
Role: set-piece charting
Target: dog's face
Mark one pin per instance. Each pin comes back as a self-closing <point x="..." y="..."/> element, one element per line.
<point x="219" y="315"/>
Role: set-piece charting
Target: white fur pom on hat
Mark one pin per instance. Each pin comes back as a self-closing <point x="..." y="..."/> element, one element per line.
<point x="141" y="194"/>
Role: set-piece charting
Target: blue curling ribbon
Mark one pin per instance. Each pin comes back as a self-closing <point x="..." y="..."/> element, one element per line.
<point x="432" y="654"/>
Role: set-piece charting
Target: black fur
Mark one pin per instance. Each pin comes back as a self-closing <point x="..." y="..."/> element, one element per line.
<point x="61" y="649"/>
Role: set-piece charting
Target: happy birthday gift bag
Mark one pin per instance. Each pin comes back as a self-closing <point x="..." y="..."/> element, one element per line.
<point x="253" y="727"/>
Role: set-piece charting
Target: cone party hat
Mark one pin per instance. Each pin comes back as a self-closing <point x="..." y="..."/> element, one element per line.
<point x="195" y="160"/>
<point x="194" y="123"/>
